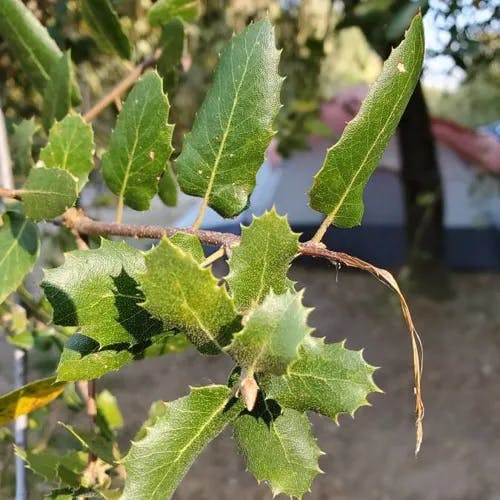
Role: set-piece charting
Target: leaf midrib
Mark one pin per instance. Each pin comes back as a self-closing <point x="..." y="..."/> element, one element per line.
<point x="222" y="145"/>
<point x="132" y="156"/>
<point x="15" y="242"/>
<point x="334" y="212"/>
<point x="208" y="421"/>
<point x="28" y="50"/>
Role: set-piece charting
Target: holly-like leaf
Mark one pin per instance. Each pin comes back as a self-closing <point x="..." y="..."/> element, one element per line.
<point x="57" y="93"/>
<point x="190" y="244"/>
<point x="164" y="10"/>
<point x="46" y="464"/>
<point x="70" y="148"/>
<point x="157" y="463"/>
<point x="186" y="296"/>
<point x="260" y="263"/>
<point x="167" y="188"/>
<point x="29" y="398"/>
<point x="326" y="378"/>
<point x="19" y="250"/>
<point x="140" y="144"/>
<point x="280" y="450"/>
<point x="233" y="128"/>
<point x="97" y="291"/>
<point x="81" y="359"/>
<point x="338" y="187"/>
<point x="272" y="334"/>
<point x="29" y="41"/>
<point x="96" y="444"/>
<point x="21" y="144"/>
<point x="103" y="21"/>
<point x="48" y="193"/>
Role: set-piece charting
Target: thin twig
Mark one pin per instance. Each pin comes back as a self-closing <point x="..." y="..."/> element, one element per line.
<point x="214" y="256"/>
<point x="14" y="194"/>
<point x="121" y="88"/>
<point x="318" y="236"/>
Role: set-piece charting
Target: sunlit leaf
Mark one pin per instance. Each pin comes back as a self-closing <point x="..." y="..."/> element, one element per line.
<point x="28" y="398"/>
<point x="233" y="127"/>
<point x="140" y="144"/>
<point x="157" y="463"/>
<point x="338" y="187"/>
<point x="279" y="449"/>
<point x="260" y="262"/>
<point x="326" y="378"/>
<point x="271" y="334"/>
<point x="187" y="297"/>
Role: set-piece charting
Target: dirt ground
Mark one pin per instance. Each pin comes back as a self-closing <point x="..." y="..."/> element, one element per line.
<point x="370" y="457"/>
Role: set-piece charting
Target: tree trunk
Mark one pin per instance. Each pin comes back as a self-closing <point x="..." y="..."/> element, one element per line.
<point x="422" y="188"/>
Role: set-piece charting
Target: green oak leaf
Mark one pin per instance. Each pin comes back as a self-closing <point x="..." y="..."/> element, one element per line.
<point x="187" y="297"/>
<point x="29" y="41"/>
<point x="57" y="93"/>
<point x="165" y="10"/>
<point x="103" y="21"/>
<point x="167" y="187"/>
<point x="233" y="127"/>
<point x="94" y="443"/>
<point x="140" y="144"/>
<point x="109" y="411"/>
<point x="172" y="44"/>
<point x="82" y="359"/>
<point x="70" y="147"/>
<point x="326" y="378"/>
<point x="156" y="464"/>
<point x="271" y="334"/>
<point x="190" y="244"/>
<point x="280" y="450"/>
<point x="19" y="250"/>
<point x="260" y="263"/>
<point x="46" y="464"/>
<point x="97" y="291"/>
<point x="338" y="187"/>
<point x="48" y="193"/>
<point x="21" y="144"/>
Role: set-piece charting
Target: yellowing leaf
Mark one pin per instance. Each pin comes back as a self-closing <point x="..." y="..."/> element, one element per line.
<point x="28" y="398"/>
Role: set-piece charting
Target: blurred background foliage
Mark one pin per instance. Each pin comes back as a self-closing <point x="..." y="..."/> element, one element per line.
<point x="327" y="45"/>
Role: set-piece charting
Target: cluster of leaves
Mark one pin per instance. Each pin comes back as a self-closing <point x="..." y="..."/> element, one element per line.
<point x="118" y="304"/>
